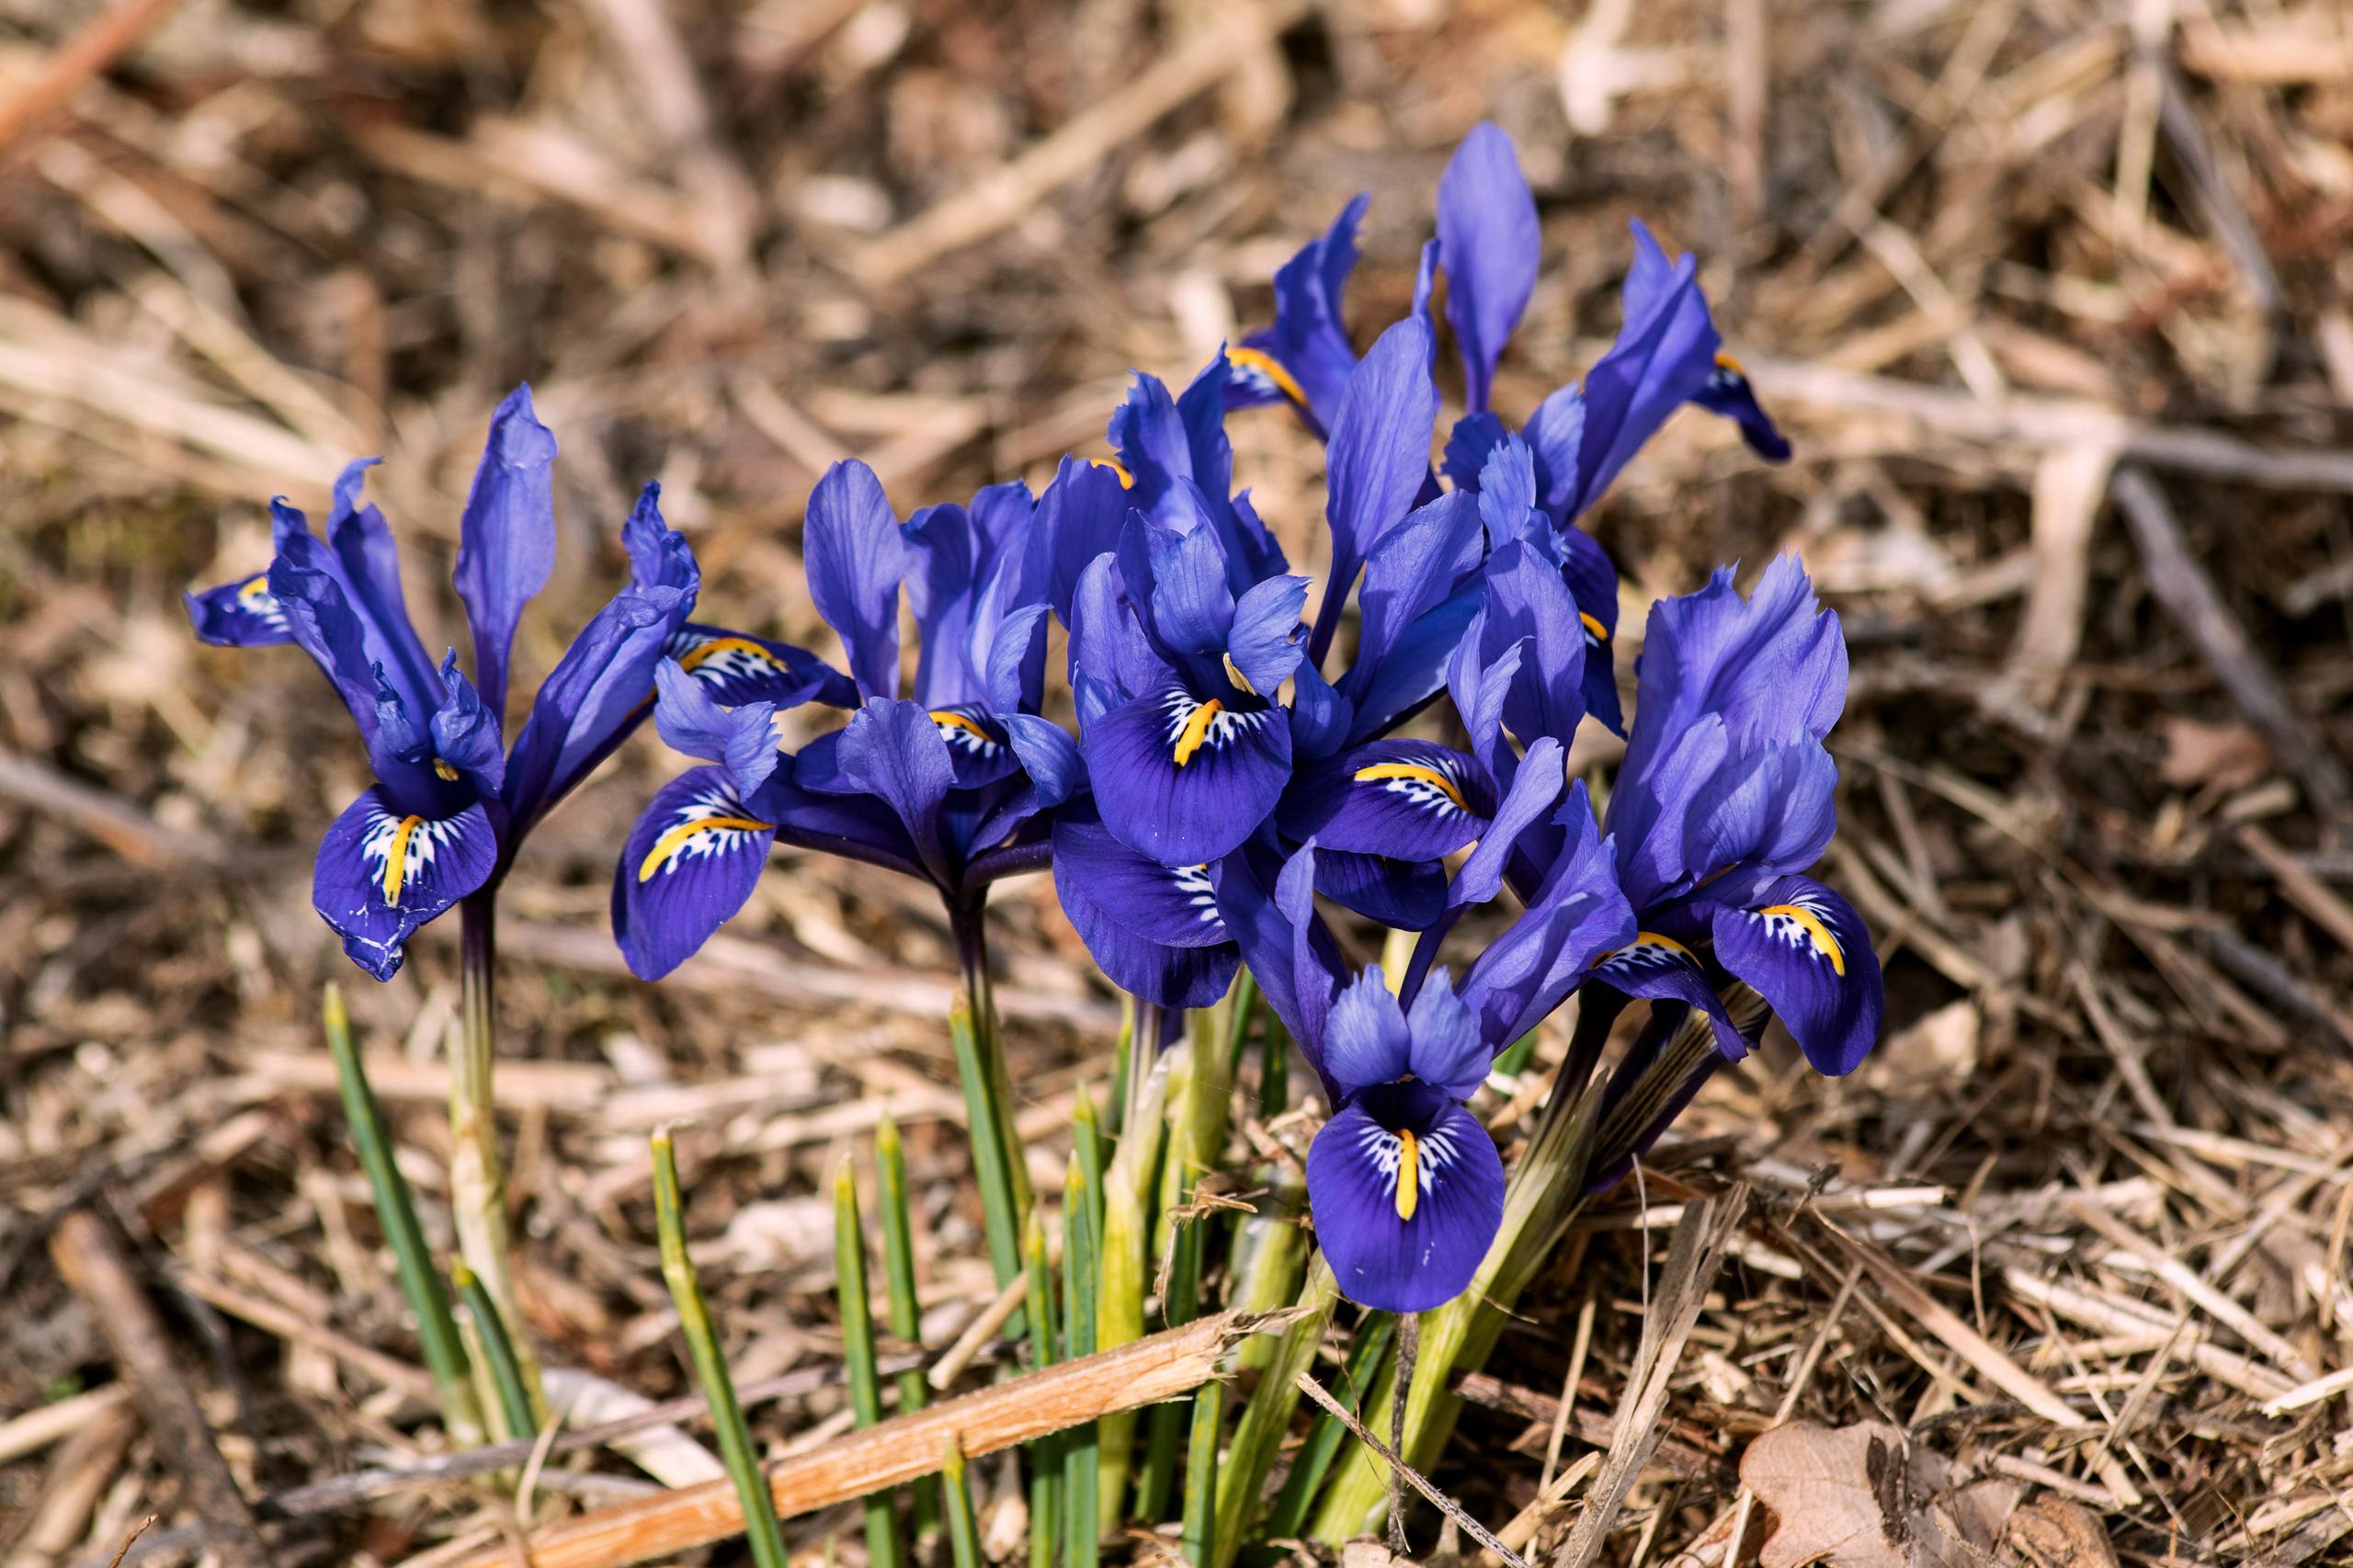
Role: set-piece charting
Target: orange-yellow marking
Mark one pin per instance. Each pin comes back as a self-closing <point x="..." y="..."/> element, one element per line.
<point x="703" y="652"/>
<point x="1409" y="1176"/>
<point x="443" y="771"/>
<point x="1196" y="729"/>
<point x="1127" y="479"/>
<point x="1267" y="365"/>
<point x="1726" y="363"/>
<point x="1645" y="939"/>
<point x="1817" y="931"/>
<point x="678" y="837"/>
<point x="950" y="717"/>
<point x="1593" y="624"/>
<point x="1379" y="772"/>
<point x="396" y="858"/>
<point x="256" y="587"/>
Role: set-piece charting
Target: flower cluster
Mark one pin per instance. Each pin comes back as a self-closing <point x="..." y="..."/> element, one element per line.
<point x="1217" y="758"/>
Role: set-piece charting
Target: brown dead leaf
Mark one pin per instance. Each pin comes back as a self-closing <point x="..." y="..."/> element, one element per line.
<point x="2055" y="1533"/>
<point x="1860" y="1497"/>
<point x="2228" y="757"/>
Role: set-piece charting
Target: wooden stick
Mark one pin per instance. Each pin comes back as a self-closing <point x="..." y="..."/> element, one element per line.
<point x="901" y="1449"/>
<point x="93" y="1263"/>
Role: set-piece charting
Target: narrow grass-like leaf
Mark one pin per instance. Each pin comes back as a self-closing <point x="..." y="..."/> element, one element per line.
<point x="1242" y="1007"/>
<point x="1045" y="1454"/>
<point x="1086" y="1148"/>
<point x="1125" y="1247"/>
<point x="1274" y="1071"/>
<point x="1265" y="1420"/>
<point x="437" y="1331"/>
<point x="905" y="1313"/>
<point x="1081" y="1477"/>
<point x="736" y="1448"/>
<point x="1288" y="1515"/>
<point x="1200" y="1473"/>
<point x="963" y="1530"/>
<point x="1124" y="1066"/>
<point x="883" y="1548"/>
<point x="1516" y="1055"/>
<point x="497" y="1350"/>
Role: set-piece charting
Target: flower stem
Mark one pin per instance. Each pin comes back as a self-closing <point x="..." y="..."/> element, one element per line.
<point x="736" y="1448"/>
<point x="477" y="1177"/>
<point x="437" y="1331"/>
<point x="1082" y="1475"/>
<point x="997" y="1158"/>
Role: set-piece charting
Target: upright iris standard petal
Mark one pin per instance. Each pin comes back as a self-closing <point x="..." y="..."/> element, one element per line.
<point x="1661" y="360"/>
<point x="321" y="619"/>
<point x="1263" y="647"/>
<point x="362" y="544"/>
<point x="1488" y="245"/>
<point x="690" y="862"/>
<point x="1774" y="663"/>
<point x="1529" y="604"/>
<point x="242" y="614"/>
<point x="857" y="558"/>
<point x="506" y="540"/>
<point x="1773" y="810"/>
<point x="465" y="736"/>
<point x="383" y="871"/>
<point x="1184" y="778"/>
<point x="1380" y="455"/>
<point x="1407" y="1193"/>
<point x="1805" y="950"/>
<point x="592" y="699"/>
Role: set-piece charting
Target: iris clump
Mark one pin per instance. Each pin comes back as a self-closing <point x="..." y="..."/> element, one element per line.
<point x="1239" y="762"/>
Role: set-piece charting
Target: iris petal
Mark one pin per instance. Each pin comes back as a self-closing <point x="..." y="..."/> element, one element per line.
<point x="689" y="864"/>
<point x="1185" y="780"/>
<point x="1404" y="1225"/>
<point x="1807" y="952"/>
<point x="383" y="872"/>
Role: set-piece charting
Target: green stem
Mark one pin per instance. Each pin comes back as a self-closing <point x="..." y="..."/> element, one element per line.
<point x="884" y="1549"/>
<point x="988" y="1161"/>
<point x="899" y="1286"/>
<point x="477" y="1175"/>
<point x="735" y="1447"/>
<point x="437" y="1331"/>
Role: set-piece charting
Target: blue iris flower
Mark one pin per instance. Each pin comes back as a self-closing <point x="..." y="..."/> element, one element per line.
<point x="952" y="786"/>
<point x="1489" y="243"/>
<point x="451" y="802"/>
<point x="1724" y="802"/>
<point x="1205" y="720"/>
<point x="1405" y="1187"/>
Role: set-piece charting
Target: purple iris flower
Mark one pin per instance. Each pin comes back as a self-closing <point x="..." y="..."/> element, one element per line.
<point x="952" y="785"/>
<point x="1405" y="1187"/>
<point x="451" y="802"/>
<point x="1725" y="801"/>
<point x="1205" y="720"/>
<point x="1667" y="353"/>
